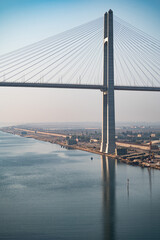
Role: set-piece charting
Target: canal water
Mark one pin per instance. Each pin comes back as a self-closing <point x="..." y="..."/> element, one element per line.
<point x="50" y="193"/>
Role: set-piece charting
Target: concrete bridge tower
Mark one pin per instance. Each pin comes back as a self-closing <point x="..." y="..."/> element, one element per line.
<point x="108" y="119"/>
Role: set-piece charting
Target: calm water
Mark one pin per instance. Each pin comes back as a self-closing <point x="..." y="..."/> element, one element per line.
<point x="49" y="193"/>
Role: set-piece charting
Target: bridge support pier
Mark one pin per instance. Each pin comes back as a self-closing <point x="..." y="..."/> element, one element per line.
<point x="108" y="119"/>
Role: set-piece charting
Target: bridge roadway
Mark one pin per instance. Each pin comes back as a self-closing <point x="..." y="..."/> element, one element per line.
<point x="77" y="86"/>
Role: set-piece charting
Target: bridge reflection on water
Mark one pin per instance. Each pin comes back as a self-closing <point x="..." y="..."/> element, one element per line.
<point x="108" y="206"/>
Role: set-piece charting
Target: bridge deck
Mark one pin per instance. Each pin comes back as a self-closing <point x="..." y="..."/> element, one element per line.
<point x="77" y="86"/>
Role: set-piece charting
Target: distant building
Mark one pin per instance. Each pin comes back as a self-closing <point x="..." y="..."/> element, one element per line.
<point x="23" y="133"/>
<point x="154" y="147"/>
<point x="139" y="135"/>
<point x="121" y="151"/>
<point x="92" y="140"/>
<point x="71" y="141"/>
<point x="153" y="135"/>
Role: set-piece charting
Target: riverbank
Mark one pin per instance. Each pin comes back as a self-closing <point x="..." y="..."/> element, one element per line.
<point x="55" y="138"/>
<point x="59" y="139"/>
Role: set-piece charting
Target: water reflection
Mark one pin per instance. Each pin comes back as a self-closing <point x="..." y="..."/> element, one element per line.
<point x="108" y="177"/>
<point x="150" y="182"/>
<point x="128" y="187"/>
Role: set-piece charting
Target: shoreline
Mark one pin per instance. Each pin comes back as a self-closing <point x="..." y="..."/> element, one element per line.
<point x="58" y="142"/>
<point x="40" y="137"/>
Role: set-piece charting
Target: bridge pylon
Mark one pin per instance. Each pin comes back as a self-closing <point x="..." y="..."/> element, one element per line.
<point x="108" y="117"/>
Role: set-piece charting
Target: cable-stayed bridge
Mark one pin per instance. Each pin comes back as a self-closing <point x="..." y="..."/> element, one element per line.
<point x="105" y="54"/>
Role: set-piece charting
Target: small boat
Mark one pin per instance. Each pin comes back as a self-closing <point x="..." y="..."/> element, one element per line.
<point x="91" y="158"/>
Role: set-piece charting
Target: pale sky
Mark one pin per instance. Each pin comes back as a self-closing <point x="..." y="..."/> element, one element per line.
<point x="28" y="21"/>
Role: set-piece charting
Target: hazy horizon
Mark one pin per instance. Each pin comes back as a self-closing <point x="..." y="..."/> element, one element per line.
<point x="79" y="124"/>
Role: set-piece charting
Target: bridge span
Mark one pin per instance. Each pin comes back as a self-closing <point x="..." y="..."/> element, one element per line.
<point x="77" y="86"/>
